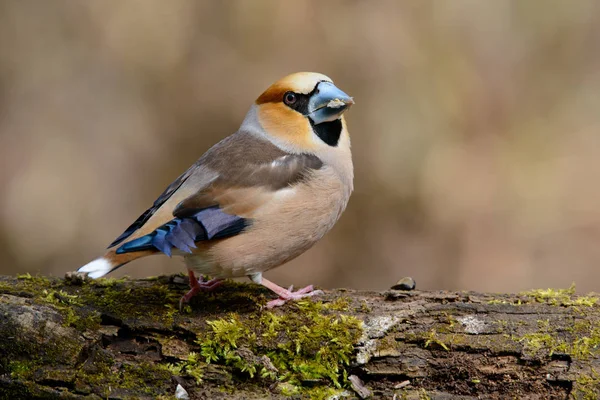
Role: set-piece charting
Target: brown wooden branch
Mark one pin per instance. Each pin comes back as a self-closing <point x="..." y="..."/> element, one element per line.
<point x="121" y="339"/>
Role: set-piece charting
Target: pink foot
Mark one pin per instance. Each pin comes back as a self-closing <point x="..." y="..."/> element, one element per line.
<point x="286" y="295"/>
<point x="198" y="285"/>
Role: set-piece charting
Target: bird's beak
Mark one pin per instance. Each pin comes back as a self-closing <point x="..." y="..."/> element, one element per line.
<point x="328" y="103"/>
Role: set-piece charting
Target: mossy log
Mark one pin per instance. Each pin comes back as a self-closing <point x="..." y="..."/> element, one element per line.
<point x="74" y="338"/>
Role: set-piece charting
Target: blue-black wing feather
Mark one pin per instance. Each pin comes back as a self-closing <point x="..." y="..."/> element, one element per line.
<point x="183" y="233"/>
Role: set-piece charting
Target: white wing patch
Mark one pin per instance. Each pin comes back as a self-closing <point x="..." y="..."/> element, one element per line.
<point x="283" y="194"/>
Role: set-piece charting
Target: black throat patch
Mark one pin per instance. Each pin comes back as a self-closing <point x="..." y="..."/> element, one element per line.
<point x="329" y="132"/>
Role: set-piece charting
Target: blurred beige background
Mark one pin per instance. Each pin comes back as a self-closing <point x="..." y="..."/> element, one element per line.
<point x="476" y="130"/>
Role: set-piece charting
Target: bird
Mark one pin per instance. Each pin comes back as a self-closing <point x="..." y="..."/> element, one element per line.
<point x="255" y="200"/>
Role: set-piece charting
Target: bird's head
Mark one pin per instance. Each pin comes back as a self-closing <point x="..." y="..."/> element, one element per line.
<point x="303" y="112"/>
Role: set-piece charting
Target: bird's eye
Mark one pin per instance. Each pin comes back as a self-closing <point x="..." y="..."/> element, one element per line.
<point x="289" y="98"/>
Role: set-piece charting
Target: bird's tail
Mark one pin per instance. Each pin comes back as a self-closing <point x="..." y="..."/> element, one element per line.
<point x="111" y="261"/>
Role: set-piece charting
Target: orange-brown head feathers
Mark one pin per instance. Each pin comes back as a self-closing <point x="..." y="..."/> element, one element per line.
<point x="303" y="112"/>
<point x="300" y="82"/>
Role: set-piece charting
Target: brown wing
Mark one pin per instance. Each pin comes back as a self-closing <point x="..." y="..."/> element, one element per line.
<point x="235" y="174"/>
<point x="241" y="191"/>
<point x="223" y="208"/>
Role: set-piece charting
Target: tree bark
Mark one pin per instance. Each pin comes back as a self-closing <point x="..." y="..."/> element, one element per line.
<point x="118" y="339"/>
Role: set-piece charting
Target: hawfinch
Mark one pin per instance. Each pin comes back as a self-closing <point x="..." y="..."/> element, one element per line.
<point x="256" y="199"/>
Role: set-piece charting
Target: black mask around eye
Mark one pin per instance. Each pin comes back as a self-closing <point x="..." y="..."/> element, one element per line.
<point x="297" y="101"/>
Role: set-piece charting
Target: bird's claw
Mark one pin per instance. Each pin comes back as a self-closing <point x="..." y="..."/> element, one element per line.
<point x="199" y="285"/>
<point x="293" y="296"/>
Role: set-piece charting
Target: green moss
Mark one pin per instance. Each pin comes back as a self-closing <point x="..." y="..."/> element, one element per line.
<point x="451" y="321"/>
<point x="586" y="301"/>
<point x="587" y="386"/>
<point x="310" y="344"/>
<point x="38" y="280"/>
<point x="315" y="345"/>
<point x="387" y="345"/>
<point x="142" y="376"/>
<point x="534" y="342"/>
<point x="46" y="291"/>
<point x="339" y="304"/>
<point x="70" y="307"/>
<point x="109" y="282"/>
<point x="502" y="325"/>
<point x="321" y="393"/>
<point x="104" y="376"/>
<point x="447" y="323"/>
<point x="561" y="297"/>
<point x="586" y="340"/>
<point x="27" y="283"/>
<point x="432" y="338"/>
<point x="20" y="369"/>
<point x="21" y="358"/>
<point x="114" y="297"/>
<point x="551" y="296"/>
<point x="192" y="367"/>
<point x="287" y="389"/>
<point x="540" y="342"/>
<point x="423" y="395"/>
<point x="364" y="307"/>
<point x="581" y="340"/>
<point x="225" y="336"/>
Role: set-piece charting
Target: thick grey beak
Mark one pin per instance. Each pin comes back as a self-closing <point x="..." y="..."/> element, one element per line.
<point x="328" y="103"/>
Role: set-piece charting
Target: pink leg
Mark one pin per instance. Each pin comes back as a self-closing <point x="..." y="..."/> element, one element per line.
<point x="198" y="285"/>
<point x="287" y="294"/>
